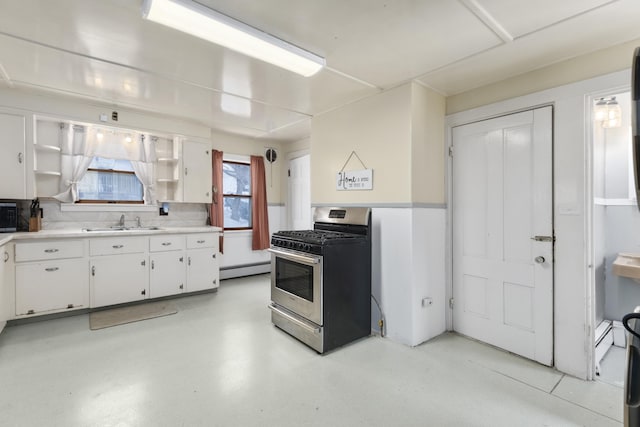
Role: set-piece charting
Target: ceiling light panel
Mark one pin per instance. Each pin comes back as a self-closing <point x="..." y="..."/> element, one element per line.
<point x="200" y="21"/>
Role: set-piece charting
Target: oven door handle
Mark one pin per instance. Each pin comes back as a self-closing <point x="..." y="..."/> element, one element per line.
<point x="298" y="322"/>
<point x="295" y="257"/>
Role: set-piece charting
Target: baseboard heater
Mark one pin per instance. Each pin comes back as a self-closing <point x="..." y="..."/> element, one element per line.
<point x="233" y="271"/>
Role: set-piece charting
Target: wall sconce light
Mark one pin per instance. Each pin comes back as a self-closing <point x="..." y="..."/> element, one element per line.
<point x="608" y="113"/>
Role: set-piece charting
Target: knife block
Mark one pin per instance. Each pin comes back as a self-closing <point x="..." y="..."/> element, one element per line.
<point x="35" y="223"/>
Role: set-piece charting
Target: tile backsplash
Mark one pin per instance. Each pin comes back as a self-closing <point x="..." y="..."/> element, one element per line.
<point x="180" y="215"/>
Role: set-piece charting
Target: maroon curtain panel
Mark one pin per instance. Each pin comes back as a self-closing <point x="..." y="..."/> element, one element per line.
<point x="259" y="213"/>
<point x="216" y="210"/>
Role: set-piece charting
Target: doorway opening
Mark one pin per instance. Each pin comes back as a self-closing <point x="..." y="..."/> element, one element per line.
<point x="614" y="219"/>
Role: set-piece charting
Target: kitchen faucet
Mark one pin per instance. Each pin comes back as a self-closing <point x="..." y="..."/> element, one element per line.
<point x="121" y="220"/>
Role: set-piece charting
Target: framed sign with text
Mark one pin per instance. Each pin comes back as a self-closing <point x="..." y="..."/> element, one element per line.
<point x="354" y="180"/>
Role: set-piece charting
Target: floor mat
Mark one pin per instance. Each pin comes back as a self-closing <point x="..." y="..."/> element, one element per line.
<point x="134" y="313"/>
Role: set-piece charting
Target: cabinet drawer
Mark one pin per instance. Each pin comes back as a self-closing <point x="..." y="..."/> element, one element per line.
<point x="117" y="245"/>
<point x="46" y="250"/>
<point x="202" y="240"/>
<point x="169" y="242"/>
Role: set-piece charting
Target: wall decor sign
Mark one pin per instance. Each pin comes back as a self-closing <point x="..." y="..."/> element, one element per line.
<point x="355" y="179"/>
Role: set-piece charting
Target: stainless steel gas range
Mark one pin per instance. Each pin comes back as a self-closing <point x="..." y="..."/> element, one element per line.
<point x="321" y="279"/>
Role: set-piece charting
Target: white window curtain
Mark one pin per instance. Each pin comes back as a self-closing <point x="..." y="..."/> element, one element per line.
<point x="80" y="145"/>
<point x="73" y="161"/>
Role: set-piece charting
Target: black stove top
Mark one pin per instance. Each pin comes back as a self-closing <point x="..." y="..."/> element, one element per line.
<point x="312" y="241"/>
<point x="319" y="237"/>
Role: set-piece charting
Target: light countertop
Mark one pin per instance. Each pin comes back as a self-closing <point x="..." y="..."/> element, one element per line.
<point x="78" y="232"/>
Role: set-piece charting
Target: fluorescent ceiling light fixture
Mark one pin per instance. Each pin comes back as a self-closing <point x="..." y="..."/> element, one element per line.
<point x="200" y="21"/>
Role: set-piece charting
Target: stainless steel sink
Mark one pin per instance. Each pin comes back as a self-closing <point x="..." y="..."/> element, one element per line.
<point x="119" y="228"/>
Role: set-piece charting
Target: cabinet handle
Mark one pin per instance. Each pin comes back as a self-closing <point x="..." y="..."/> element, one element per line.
<point x="50" y="251"/>
<point x="143" y="263"/>
<point x="51" y="269"/>
<point x="181" y="286"/>
<point x="69" y="305"/>
<point x="144" y="292"/>
<point x="20" y="156"/>
<point x="181" y="259"/>
<point x="207" y="194"/>
<point x="166" y="243"/>
<point x="214" y="256"/>
<point x="153" y="264"/>
<point x="117" y="246"/>
<point x="185" y="171"/>
<point x="93" y="270"/>
<point x="188" y="260"/>
<point x="6" y="256"/>
<point x="214" y="281"/>
<point x="200" y="241"/>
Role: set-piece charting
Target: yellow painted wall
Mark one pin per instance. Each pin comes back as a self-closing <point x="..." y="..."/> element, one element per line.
<point x="427" y="146"/>
<point x="573" y="70"/>
<point x="378" y="130"/>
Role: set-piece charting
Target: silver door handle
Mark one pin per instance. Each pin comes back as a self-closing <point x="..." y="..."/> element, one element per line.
<point x="539" y="259"/>
<point x="20" y="156"/>
<point x="50" y="251"/>
<point x="166" y="243"/>
<point x="200" y="241"/>
<point x="51" y="269"/>
<point x="296" y="257"/>
<point x="6" y="256"/>
<point x="117" y="246"/>
<point x="543" y="238"/>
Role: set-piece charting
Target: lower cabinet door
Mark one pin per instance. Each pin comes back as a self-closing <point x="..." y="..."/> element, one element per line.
<point x="51" y="285"/>
<point x="118" y="279"/>
<point x="167" y="274"/>
<point x="202" y="269"/>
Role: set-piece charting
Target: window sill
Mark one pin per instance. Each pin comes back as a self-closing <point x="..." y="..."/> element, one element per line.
<point x="99" y="207"/>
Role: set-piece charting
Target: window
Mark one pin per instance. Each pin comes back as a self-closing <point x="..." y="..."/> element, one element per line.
<point x="236" y="195"/>
<point x="110" y="181"/>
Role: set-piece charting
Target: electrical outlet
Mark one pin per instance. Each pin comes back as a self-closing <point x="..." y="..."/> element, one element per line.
<point x="427" y="301"/>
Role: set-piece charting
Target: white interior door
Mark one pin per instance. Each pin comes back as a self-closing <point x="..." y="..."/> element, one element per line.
<point x="502" y="233"/>
<point x="300" y="193"/>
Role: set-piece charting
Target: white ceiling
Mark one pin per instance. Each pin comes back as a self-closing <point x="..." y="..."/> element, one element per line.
<point x="104" y="50"/>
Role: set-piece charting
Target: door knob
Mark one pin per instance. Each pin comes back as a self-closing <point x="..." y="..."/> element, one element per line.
<point x="539" y="259"/>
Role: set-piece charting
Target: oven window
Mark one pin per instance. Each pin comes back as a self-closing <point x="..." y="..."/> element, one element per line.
<point x="295" y="278"/>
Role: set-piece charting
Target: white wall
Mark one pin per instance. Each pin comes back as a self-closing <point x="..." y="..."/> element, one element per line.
<point x="573" y="296"/>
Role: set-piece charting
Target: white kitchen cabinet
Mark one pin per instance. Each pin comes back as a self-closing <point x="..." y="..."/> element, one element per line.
<point x="117" y="279"/>
<point x="119" y="270"/>
<point x="202" y="262"/>
<point x="196" y="172"/>
<point x="168" y="273"/>
<point x="49" y="286"/>
<point x="5" y="313"/>
<point x="12" y="156"/>
<point x="50" y="275"/>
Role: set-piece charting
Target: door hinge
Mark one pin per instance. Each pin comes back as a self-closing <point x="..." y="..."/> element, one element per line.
<point x="451" y="303"/>
<point x="450" y="151"/>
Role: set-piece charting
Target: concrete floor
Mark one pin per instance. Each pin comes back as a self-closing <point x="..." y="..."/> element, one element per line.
<point x="219" y="362"/>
